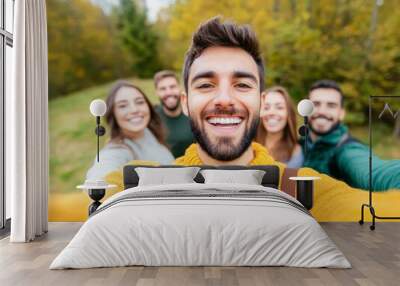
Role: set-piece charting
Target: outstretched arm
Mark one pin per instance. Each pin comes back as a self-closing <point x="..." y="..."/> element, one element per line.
<point x="336" y="201"/>
<point x="353" y="163"/>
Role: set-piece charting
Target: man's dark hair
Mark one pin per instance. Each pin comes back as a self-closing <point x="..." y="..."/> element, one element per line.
<point x="164" y="74"/>
<point x="327" y="83"/>
<point x="213" y="33"/>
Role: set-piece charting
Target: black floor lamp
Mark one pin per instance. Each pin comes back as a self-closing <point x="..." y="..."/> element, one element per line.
<point x="370" y="203"/>
<point x="97" y="188"/>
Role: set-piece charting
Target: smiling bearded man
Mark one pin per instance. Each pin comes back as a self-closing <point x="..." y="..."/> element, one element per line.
<point x="224" y="103"/>
<point x="179" y="135"/>
<point x="223" y="77"/>
<point x="331" y="146"/>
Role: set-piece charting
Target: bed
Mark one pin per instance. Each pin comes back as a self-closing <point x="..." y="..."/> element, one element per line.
<point x="201" y="224"/>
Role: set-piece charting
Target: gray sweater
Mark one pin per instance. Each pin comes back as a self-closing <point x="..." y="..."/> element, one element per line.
<point x="115" y="155"/>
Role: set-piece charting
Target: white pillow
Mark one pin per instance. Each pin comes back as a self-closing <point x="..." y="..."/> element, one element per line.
<point x="248" y="177"/>
<point x="166" y="176"/>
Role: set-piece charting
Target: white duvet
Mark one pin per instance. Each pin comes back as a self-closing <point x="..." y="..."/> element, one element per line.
<point x="190" y="230"/>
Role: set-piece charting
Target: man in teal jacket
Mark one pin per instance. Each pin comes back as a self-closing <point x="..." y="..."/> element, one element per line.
<point x="333" y="151"/>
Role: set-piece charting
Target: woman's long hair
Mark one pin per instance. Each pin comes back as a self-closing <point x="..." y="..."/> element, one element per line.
<point x="155" y="124"/>
<point x="284" y="149"/>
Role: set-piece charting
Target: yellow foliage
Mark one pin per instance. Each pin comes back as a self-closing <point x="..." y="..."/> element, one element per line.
<point x="302" y="41"/>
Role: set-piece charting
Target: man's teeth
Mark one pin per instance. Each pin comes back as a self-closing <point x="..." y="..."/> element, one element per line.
<point x="319" y="119"/>
<point x="224" y="120"/>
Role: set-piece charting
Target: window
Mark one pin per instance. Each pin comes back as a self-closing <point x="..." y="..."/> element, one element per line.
<point x="6" y="60"/>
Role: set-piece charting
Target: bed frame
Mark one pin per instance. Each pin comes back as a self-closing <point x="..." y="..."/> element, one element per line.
<point x="270" y="179"/>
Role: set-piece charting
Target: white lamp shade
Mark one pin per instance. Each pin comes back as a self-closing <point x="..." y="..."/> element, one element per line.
<point x="305" y="107"/>
<point x="98" y="107"/>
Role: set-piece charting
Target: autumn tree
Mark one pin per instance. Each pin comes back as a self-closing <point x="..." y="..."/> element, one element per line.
<point x="303" y="41"/>
<point x="137" y="37"/>
<point x="82" y="49"/>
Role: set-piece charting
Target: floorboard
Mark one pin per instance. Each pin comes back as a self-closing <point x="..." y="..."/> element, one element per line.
<point x="374" y="255"/>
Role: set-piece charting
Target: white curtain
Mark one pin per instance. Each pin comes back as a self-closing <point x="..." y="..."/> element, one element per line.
<point x="27" y="124"/>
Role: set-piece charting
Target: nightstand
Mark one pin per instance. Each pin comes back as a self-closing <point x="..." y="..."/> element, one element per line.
<point x="305" y="190"/>
<point x="96" y="191"/>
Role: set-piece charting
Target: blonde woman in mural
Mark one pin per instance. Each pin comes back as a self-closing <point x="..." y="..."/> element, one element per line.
<point x="136" y="132"/>
<point x="278" y="128"/>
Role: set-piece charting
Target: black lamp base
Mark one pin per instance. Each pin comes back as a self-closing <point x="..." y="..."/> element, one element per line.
<point x="305" y="193"/>
<point x="96" y="195"/>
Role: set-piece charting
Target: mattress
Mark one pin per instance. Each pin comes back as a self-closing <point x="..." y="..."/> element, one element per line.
<point x="201" y="225"/>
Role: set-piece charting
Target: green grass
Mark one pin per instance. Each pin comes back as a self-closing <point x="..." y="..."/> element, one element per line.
<point x="72" y="138"/>
<point x="73" y="142"/>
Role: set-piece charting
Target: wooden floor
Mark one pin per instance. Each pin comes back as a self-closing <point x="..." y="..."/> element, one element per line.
<point x="374" y="255"/>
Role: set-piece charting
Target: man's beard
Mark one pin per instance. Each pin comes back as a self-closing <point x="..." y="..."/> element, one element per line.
<point x="173" y="108"/>
<point x="217" y="150"/>
<point x="319" y="133"/>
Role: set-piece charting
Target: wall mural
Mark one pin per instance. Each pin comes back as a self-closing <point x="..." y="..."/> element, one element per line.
<point x="171" y="102"/>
